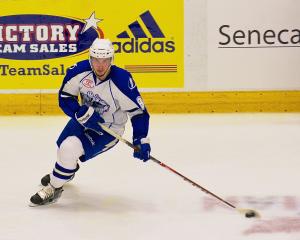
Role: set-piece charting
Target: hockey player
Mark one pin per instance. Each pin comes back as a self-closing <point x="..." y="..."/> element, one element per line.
<point x="108" y="96"/>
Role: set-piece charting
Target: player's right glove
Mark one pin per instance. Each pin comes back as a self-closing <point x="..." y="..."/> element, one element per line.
<point x="88" y="118"/>
<point x="143" y="149"/>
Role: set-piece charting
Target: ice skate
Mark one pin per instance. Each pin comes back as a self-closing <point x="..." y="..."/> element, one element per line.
<point x="45" y="196"/>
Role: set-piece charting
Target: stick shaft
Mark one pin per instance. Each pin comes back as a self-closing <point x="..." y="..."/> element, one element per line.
<point x="108" y="130"/>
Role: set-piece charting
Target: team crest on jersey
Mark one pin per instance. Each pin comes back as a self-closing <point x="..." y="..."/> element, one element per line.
<point x="131" y="84"/>
<point x="95" y="101"/>
<point x="88" y="83"/>
<point x="39" y="36"/>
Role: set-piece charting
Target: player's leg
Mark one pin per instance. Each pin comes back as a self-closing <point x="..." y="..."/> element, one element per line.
<point x="65" y="167"/>
<point x="69" y="151"/>
<point x="95" y="143"/>
<point x="72" y="128"/>
<point x="86" y="145"/>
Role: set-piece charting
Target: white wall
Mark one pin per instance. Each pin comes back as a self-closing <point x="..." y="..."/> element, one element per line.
<point x="195" y="45"/>
<point x="271" y="64"/>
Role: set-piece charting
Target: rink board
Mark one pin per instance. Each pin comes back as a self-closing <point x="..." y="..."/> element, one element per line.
<point x="167" y="102"/>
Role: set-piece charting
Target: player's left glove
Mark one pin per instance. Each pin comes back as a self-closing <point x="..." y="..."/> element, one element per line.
<point x="88" y="118"/>
<point x="143" y="149"/>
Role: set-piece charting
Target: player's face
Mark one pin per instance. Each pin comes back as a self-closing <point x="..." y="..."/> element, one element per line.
<point x="100" y="65"/>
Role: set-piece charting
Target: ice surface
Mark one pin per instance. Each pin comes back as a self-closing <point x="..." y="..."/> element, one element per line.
<point x="251" y="160"/>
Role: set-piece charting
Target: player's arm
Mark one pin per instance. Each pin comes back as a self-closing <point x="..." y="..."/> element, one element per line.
<point x="140" y="121"/>
<point x="131" y="101"/>
<point x="68" y="102"/>
<point x="140" y="125"/>
<point x="68" y="93"/>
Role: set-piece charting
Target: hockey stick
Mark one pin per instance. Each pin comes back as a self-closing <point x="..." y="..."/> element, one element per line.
<point x="249" y="213"/>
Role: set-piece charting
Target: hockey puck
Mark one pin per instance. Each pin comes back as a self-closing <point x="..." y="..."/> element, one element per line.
<point x="250" y="214"/>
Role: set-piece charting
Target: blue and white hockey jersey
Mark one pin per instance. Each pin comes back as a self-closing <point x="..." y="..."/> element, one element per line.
<point x="114" y="98"/>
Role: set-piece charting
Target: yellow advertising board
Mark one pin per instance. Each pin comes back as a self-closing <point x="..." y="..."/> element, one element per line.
<point x="39" y="40"/>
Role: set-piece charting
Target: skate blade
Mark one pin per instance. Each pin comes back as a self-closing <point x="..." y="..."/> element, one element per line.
<point x="31" y="204"/>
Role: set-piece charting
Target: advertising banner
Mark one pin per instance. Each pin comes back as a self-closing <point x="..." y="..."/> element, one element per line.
<point x="253" y="45"/>
<point x="39" y="40"/>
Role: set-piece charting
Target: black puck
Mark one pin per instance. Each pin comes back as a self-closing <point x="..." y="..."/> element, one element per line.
<point x="250" y="214"/>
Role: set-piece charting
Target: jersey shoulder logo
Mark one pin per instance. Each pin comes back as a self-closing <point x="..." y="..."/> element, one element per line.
<point x="131" y="83"/>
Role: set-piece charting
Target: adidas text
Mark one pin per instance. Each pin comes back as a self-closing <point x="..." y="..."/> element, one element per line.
<point x="137" y="45"/>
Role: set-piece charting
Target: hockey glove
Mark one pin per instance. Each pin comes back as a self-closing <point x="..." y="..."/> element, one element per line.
<point x="143" y="149"/>
<point x="88" y="118"/>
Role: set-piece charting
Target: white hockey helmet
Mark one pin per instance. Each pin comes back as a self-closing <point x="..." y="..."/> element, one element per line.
<point x="102" y="48"/>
